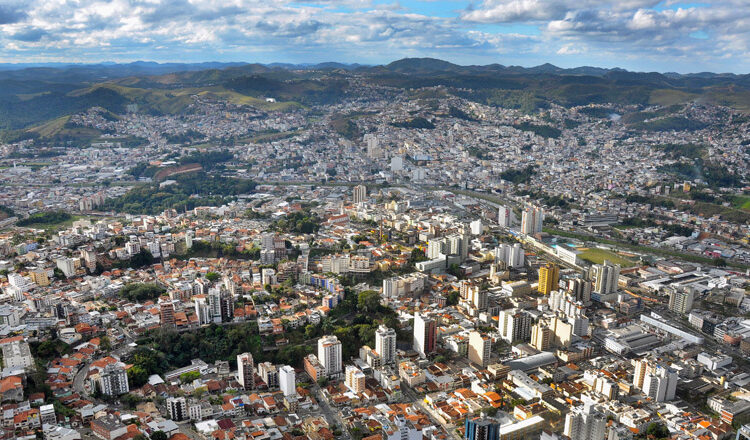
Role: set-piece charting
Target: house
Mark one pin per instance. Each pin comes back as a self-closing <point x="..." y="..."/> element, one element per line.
<point x="11" y="389"/>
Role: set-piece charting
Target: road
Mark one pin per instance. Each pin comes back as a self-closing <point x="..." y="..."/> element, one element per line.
<point x="417" y="400"/>
<point x="332" y="416"/>
<point x="79" y="380"/>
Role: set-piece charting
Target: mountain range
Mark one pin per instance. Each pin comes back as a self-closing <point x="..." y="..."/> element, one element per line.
<point x="34" y="94"/>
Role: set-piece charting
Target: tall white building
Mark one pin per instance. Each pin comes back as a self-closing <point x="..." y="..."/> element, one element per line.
<point x="510" y="256"/>
<point x="681" y="300"/>
<point x="287" y="381"/>
<point x="605" y="277"/>
<point x="480" y="348"/>
<point x="476" y="227"/>
<point x="531" y="220"/>
<point x="246" y="371"/>
<point x="329" y="355"/>
<point x="178" y="409"/>
<point x="661" y="384"/>
<point x="385" y="344"/>
<point x="202" y="311"/>
<point x="514" y="325"/>
<point x="67" y="266"/>
<point x="359" y="194"/>
<point x="505" y="217"/>
<point x="373" y="147"/>
<point x="586" y="423"/>
<point x="113" y="380"/>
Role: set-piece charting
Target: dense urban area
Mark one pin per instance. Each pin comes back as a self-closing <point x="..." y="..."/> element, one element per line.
<point x="388" y="262"/>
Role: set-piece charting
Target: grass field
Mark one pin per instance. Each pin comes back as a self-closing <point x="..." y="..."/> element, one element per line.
<point x="642" y="249"/>
<point x="52" y="227"/>
<point x="741" y="202"/>
<point x="597" y="256"/>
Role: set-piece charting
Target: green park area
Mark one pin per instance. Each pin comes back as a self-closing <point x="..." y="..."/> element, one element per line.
<point x="598" y="255"/>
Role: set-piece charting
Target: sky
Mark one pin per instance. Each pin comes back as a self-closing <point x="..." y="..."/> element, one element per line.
<point x="639" y="35"/>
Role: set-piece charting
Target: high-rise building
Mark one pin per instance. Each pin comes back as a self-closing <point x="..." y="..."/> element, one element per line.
<point x="246" y="371"/>
<point x="425" y="334"/>
<point x="202" y="310"/>
<point x="605" y="277"/>
<point x="67" y="266"/>
<point x="214" y="304"/>
<point x="505" y="217"/>
<point x="743" y="433"/>
<point x="166" y="312"/>
<point x="287" y="381"/>
<point x="549" y="278"/>
<point x="515" y="325"/>
<point x="373" y="147"/>
<point x="639" y="373"/>
<point x="586" y="423"/>
<point x="480" y="348"/>
<point x="681" y="300"/>
<point x="269" y="373"/>
<point x="481" y="428"/>
<point x="355" y="379"/>
<point x="562" y="332"/>
<point x="178" y="409"/>
<point x="531" y="220"/>
<point x="385" y="344"/>
<point x="580" y="289"/>
<point x="510" y="256"/>
<point x="660" y="384"/>
<point x="329" y="355"/>
<point x="476" y="227"/>
<point x="541" y="336"/>
<point x="359" y="194"/>
<point x="38" y="277"/>
<point x="113" y="380"/>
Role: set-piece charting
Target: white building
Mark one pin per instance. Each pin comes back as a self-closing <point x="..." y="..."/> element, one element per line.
<point x="586" y="423"/>
<point x="329" y="355"/>
<point x="287" y="381"/>
<point x="531" y="220"/>
<point x="661" y="384"/>
<point x="385" y="344"/>
<point x="246" y="371"/>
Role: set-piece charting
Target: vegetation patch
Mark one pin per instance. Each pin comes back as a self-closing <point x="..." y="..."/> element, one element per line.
<point x="546" y="131"/>
<point x="140" y="292"/>
<point x="45" y="219"/>
<point x="418" y="122"/>
<point x="598" y="256"/>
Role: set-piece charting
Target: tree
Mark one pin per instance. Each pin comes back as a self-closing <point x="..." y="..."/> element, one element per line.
<point x="131" y="400"/>
<point x="323" y="381"/>
<point x="368" y="301"/>
<point x="657" y="430"/>
<point x="212" y="276"/>
<point x="159" y="435"/>
<point x="452" y="299"/>
<point x="491" y="411"/>
<point x="455" y="270"/>
<point x="137" y="376"/>
<point x="189" y="376"/>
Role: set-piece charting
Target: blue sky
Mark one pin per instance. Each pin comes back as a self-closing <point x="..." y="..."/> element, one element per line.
<point x="642" y="35"/>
